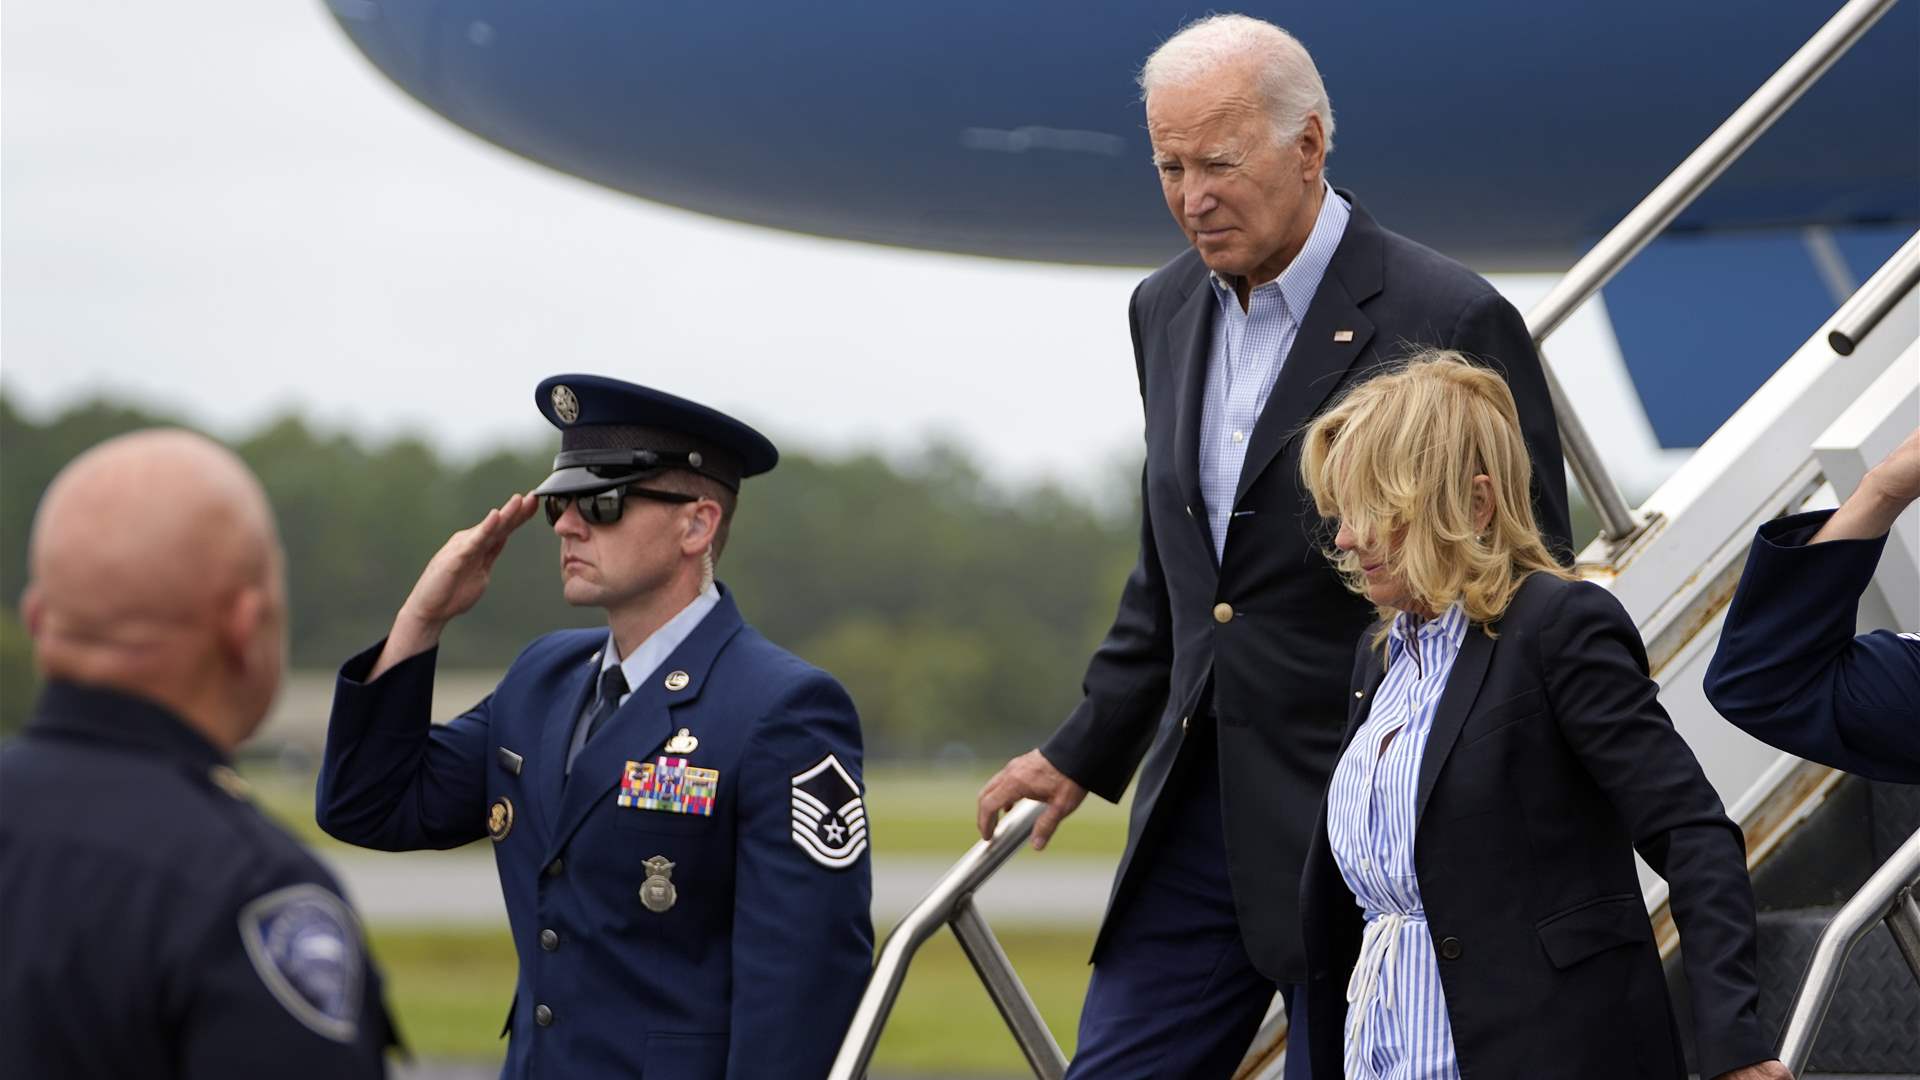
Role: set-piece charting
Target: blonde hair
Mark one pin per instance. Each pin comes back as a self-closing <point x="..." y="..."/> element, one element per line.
<point x="1395" y="459"/>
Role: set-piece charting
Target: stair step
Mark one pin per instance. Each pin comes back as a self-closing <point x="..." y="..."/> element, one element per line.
<point x="1873" y="1025"/>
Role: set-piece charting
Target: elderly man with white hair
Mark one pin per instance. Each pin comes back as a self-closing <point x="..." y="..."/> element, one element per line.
<point x="1223" y="681"/>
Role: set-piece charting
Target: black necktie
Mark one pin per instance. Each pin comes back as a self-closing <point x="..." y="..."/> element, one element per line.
<point x="613" y="687"/>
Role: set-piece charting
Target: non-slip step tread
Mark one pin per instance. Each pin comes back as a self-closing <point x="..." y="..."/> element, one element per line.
<point x="1873" y="1024"/>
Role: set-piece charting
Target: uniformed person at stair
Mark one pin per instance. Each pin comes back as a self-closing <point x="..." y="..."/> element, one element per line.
<point x="1791" y="671"/>
<point x="156" y="925"/>
<point x="674" y="802"/>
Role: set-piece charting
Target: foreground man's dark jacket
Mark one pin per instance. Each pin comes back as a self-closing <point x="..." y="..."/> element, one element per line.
<point x="154" y="923"/>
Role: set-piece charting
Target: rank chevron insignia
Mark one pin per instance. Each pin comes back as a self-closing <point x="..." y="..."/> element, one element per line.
<point x="829" y="820"/>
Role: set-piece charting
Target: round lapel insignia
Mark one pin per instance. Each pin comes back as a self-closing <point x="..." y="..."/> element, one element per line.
<point x="658" y="894"/>
<point x="682" y="743"/>
<point x="565" y="405"/>
<point x="500" y="818"/>
<point x="678" y="680"/>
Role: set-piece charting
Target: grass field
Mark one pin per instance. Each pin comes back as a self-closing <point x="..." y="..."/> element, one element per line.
<point x="916" y="811"/>
<point x="921" y="811"/>
<point x="450" y="988"/>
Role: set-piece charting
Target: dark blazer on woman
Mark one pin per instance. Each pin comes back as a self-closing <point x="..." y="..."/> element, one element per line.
<point x="1549" y="763"/>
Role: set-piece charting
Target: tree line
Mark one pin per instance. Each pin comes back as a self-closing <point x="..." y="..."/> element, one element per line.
<point x="959" y="613"/>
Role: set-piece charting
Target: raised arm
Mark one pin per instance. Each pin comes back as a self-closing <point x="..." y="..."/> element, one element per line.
<point x="454" y="580"/>
<point x="1789" y="669"/>
<point x="390" y="779"/>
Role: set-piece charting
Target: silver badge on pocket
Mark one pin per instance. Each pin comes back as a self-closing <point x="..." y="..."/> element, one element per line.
<point x="658" y="893"/>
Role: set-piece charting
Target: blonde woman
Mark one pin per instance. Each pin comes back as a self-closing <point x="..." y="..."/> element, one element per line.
<point x="1470" y="900"/>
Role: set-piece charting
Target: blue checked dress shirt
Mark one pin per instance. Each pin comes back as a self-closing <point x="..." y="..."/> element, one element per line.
<point x="1397" y="1026"/>
<point x="1249" y="348"/>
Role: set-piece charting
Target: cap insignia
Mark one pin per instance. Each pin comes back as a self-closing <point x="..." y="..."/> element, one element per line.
<point x="565" y="405"/>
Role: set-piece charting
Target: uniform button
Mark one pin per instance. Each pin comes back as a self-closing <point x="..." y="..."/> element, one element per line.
<point x="549" y="940"/>
<point x="1450" y="948"/>
<point x="554" y="867"/>
<point x="1183" y="722"/>
<point x="543" y="1016"/>
<point x="1223" y="613"/>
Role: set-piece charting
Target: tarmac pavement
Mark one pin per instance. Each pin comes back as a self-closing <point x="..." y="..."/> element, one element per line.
<point x="463" y="887"/>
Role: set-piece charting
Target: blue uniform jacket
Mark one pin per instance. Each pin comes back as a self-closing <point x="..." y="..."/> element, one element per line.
<point x="743" y="958"/>
<point x="1791" y="672"/>
<point x="155" y="923"/>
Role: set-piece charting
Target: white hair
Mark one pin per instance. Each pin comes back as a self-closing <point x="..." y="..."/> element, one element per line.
<point x="1288" y="80"/>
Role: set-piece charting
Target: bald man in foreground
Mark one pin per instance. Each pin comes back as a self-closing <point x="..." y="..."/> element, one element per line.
<point x="152" y="922"/>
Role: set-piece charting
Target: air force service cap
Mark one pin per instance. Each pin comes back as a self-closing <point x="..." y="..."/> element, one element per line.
<point x="614" y="432"/>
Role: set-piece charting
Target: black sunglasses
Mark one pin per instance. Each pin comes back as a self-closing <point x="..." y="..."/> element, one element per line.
<point x="605" y="507"/>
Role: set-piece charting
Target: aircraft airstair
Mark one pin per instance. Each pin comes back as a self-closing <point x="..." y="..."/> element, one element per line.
<point x="1835" y="859"/>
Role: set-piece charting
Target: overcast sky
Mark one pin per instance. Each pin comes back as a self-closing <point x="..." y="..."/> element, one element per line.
<point x="223" y="210"/>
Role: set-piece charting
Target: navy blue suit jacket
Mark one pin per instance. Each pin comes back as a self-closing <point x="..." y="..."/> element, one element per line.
<point x="755" y="969"/>
<point x="1274" y="664"/>
<point x="1789" y="670"/>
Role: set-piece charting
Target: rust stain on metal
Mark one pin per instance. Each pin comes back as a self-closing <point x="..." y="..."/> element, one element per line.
<point x="1797" y="797"/>
<point x="1623" y="555"/>
<point x="1692" y="619"/>
<point x="1665" y="934"/>
<point x="1261" y="1058"/>
<point x="1595" y="572"/>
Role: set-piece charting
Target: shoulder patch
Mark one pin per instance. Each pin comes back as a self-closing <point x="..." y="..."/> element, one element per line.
<point x="829" y="820"/>
<point x="305" y="944"/>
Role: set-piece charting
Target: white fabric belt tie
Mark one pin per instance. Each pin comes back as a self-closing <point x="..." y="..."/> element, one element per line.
<point x="1378" y="947"/>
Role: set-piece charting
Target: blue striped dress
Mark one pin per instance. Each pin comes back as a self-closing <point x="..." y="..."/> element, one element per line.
<point x="1397" y="1026"/>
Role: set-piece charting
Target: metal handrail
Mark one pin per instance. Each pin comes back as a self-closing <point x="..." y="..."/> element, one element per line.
<point x="1888" y="896"/>
<point x="1860" y="314"/>
<point x="950" y="902"/>
<point x="1664" y="203"/>
<point x="1617" y="520"/>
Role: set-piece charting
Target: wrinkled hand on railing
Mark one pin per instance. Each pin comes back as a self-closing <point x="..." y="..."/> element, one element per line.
<point x="1029" y="776"/>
